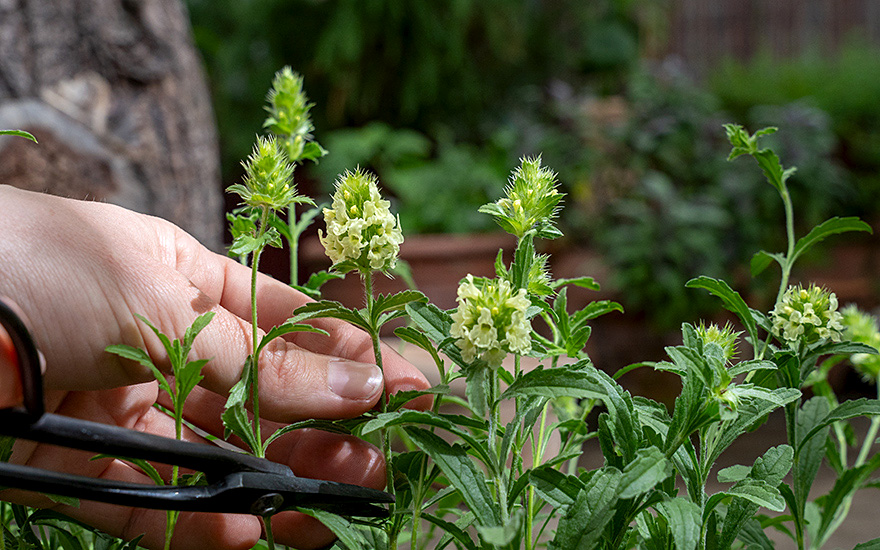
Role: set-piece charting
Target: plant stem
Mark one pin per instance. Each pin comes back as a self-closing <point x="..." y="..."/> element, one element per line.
<point x="255" y="365"/>
<point x="293" y="244"/>
<point x="383" y="434"/>
<point x="267" y="526"/>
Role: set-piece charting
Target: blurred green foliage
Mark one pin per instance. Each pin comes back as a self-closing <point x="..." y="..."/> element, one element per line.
<point x="439" y="66"/>
<point x="440" y="98"/>
<point x="844" y="85"/>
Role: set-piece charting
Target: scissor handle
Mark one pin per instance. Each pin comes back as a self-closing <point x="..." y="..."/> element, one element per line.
<point x="27" y="357"/>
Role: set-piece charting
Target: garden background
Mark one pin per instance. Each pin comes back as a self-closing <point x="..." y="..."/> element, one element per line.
<point x="624" y="98"/>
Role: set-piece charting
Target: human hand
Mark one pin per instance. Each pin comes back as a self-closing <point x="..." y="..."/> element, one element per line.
<point x="80" y="271"/>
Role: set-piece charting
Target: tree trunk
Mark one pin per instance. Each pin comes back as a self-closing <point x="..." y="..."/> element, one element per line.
<point x="115" y="93"/>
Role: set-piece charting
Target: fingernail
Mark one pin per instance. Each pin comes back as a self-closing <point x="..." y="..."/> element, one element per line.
<point x="353" y="380"/>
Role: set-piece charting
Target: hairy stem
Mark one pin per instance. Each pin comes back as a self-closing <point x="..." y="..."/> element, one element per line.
<point x="383" y="434"/>
<point x="255" y="387"/>
<point x="293" y="244"/>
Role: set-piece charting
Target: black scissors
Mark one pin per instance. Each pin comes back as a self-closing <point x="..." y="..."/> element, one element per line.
<point x="237" y="482"/>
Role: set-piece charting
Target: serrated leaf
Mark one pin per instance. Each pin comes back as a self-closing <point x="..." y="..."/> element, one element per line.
<point x="683" y="518"/>
<point x="195" y="328"/>
<point x="825" y="229"/>
<point x="732" y="474"/>
<point x="328" y="308"/>
<point x="809" y="449"/>
<point x="397" y="301"/>
<point x="523" y="258"/>
<point x="431" y="319"/>
<point x="646" y="471"/>
<point x="556" y="488"/>
<point x="759" y="492"/>
<point x="844" y="411"/>
<point x="585" y="520"/>
<point x="583" y="282"/>
<point x="461" y="472"/>
<point x="555" y="382"/>
<point x="140" y="356"/>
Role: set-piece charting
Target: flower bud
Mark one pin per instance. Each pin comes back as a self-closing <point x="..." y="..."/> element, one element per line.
<point x="807" y="315"/>
<point x="490" y="320"/>
<point x="360" y="227"/>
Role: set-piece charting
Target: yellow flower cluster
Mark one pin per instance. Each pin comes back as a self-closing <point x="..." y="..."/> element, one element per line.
<point x="360" y="226"/>
<point x="808" y="315"/>
<point x="490" y="320"/>
<point x="862" y="327"/>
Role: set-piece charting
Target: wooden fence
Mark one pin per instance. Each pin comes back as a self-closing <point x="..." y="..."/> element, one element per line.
<point x="705" y="32"/>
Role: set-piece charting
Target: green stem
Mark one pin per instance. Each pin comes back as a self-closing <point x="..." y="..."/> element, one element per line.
<point x="383" y="434"/>
<point x="871" y="436"/>
<point x="255" y="387"/>
<point x="789" y="259"/>
<point x="270" y="537"/>
<point x="293" y="244"/>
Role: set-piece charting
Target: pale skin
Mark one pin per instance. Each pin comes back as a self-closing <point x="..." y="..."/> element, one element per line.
<point x="80" y="271"/>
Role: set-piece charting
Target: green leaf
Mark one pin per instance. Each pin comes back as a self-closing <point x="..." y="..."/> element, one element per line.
<point x="523" y="258"/>
<point x="244" y="244"/>
<point x="846" y="485"/>
<point x="140" y="356"/>
<point x="556" y="488"/>
<point x="502" y="535"/>
<point x="476" y="390"/>
<point x="683" y="518"/>
<point x="732" y="474"/>
<point x="19" y="133"/>
<point x="646" y="471"/>
<point x="399" y="399"/>
<point x="446" y="422"/>
<point x="809" y="449"/>
<point x="194" y="329"/>
<point x="452" y="530"/>
<point x="188" y="377"/>
<point x="749" y="366"/>
<point x="397" y="301"/>
<point x="731" y="299"/>
<point x="762" y="260"/>
<point x="844" y="411"/>
<point x="345" y="530"/>
<point x="825" y="229"/>
<point x="235" y="417"/>
<point x="555" y="382"/>
<point x="759" y="492"/>
<point x="584" y="522"/>
<point x="287" y="328"/>
<point x="328" y="308"/>
<point x="431" y="319"/>
<point x="873" y="544"/>
<point x="583" y="282"/>
<point x="310" y="424"/>
<point x="461" y="472"/>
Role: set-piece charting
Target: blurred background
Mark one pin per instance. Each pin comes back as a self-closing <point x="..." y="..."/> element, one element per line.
<point x="623" y="98"/>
